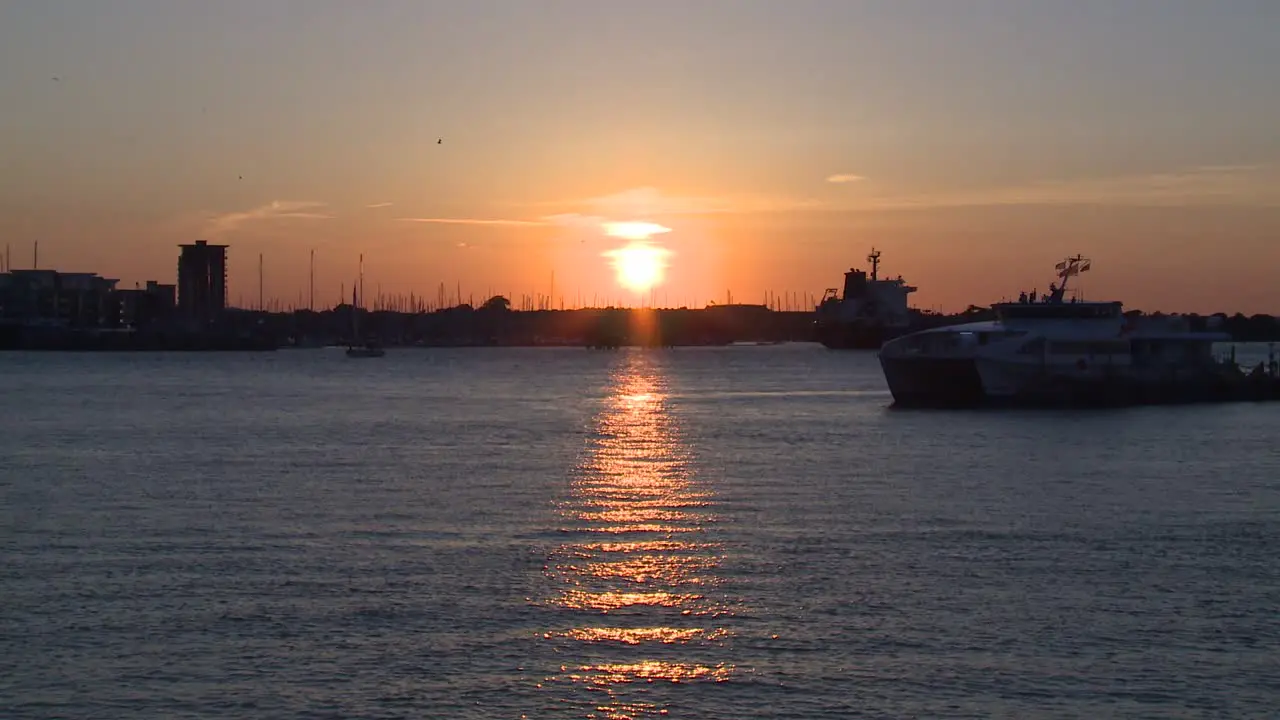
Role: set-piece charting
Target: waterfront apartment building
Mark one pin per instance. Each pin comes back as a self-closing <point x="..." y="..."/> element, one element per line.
<point x="50" y="297"/>
<point x="202" y="282"/>
<point x="151" y="306"/>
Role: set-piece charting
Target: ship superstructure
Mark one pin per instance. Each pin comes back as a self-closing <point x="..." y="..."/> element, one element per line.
<point x="870" y="311"/>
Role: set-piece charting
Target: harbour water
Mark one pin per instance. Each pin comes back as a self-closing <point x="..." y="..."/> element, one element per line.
<point x="741" y="532"/>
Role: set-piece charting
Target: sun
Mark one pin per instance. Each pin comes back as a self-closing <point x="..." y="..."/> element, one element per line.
<point x="640" y="266"/>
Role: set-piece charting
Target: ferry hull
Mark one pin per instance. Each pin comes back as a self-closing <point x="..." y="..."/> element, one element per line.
<point x="933" y="382"/>
<point x="957" y="383"/>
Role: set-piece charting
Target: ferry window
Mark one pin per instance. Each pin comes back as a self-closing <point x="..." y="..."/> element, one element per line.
<point x="1097" y="347"/>
<point x="1060" y="312"/>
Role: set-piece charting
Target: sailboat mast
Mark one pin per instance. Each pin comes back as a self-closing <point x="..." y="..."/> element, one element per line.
<point x="355" y="310"/>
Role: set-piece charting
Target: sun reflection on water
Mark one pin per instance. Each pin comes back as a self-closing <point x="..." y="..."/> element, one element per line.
<point x="636" y="597"/>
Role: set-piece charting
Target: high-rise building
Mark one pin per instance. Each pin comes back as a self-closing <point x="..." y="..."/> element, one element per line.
<point x="202" y="281"/>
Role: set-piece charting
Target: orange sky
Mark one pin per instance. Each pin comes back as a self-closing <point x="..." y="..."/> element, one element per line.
<point x="778" y="145"/>
<point x="1172" y="257"/>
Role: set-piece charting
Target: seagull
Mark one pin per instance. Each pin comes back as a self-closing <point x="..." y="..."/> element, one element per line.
<point x="440" y="141"/>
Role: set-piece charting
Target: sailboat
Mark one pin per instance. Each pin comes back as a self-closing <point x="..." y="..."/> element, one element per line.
<point x="354" y="348"/>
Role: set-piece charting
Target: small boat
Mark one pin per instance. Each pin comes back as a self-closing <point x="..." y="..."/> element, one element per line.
<point x="368" y="350"/>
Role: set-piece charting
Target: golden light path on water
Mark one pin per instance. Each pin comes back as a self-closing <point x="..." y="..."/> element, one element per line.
<point x="636" y="590"/>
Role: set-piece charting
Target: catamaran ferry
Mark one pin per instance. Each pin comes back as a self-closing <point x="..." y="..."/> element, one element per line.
<point x="1051" y="350"/>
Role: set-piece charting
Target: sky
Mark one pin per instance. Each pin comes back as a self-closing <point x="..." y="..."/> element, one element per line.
<point x="975" y="143"/>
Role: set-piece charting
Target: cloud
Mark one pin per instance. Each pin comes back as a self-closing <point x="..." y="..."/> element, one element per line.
<point x="274" y="210"/>
<point x="594" y="222"/>
<point x="643" y="202"/>
<point x="1205" y="186"/>
<point x="473" y="221"/>
<point x="576" y="220"/>
<point x="375" y="206"/>
<point x="634" y="230"/>
<point x="628" y="212"/>
<point x="648" y="201"/>
<point x="651" y="202"/>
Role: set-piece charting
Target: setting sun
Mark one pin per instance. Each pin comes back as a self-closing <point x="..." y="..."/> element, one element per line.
<point x="639" y="265"/>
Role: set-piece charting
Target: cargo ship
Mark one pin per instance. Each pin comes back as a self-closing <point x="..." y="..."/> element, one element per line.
<point x="869" y="313"/>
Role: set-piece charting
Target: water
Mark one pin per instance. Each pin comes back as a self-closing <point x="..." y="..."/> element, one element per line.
<point x="697" y="533"/>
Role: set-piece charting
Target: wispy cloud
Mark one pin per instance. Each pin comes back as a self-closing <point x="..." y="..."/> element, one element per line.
<point x="634" y="230"/>
<point x="651" y="202"/>
<point x="375" y="206"/>
<point x="473" y="221"/>
<point x="1209" y="185"/>
<point x="629" y="206"/>
<point x="624" y="212"/>
<point x="628" y="213"/>
<point x="1206" y="186"/>
<point x="274" y="210"/>
<point x="576" y="220"/>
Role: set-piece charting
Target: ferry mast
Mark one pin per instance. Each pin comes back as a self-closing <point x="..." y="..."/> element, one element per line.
<point x="1071" y="266"/>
